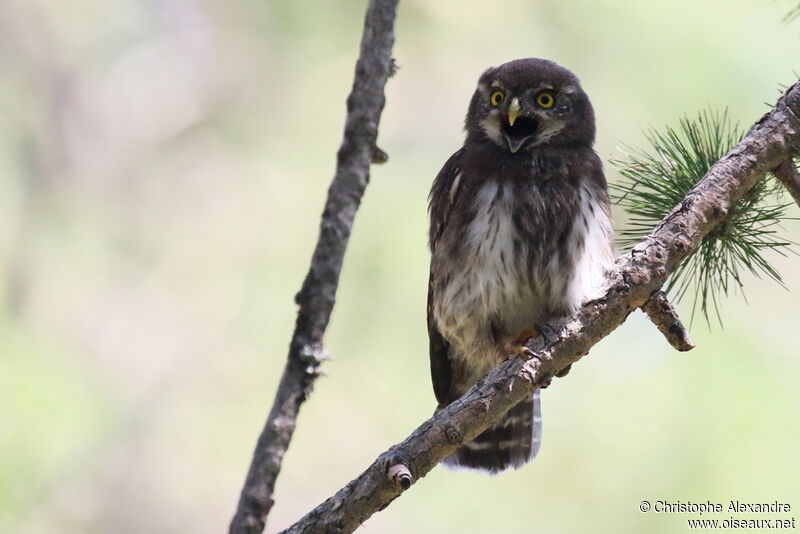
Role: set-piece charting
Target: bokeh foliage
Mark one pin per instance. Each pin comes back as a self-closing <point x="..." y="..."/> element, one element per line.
<point x="162" y="170"/>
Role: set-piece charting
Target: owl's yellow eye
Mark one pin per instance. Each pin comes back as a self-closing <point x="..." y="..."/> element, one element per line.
<point x="545" y="99"/>
<point x="497" y="98"/>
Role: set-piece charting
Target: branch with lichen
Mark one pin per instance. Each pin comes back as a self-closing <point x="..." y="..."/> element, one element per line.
<point x="317" y="296"/>
<point x="636" y="277"/>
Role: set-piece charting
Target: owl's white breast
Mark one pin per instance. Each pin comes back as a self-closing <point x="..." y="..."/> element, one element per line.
<point x="591" y="244"/>
<point x="491" y="287"/>
<point x="494" y="274"/>
<point x="496" y="286"/>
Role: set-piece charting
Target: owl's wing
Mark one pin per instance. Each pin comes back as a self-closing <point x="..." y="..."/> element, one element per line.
<point x="439" y="350"/>
<point x="443" y="193"/>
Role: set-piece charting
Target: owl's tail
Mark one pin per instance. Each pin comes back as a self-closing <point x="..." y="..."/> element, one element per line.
<point x="511" y="442"/>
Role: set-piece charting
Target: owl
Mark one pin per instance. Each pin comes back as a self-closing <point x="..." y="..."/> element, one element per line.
<point x="520" y="233"/>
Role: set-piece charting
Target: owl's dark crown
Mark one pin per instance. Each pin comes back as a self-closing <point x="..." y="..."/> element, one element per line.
<point x="530" y="103"/>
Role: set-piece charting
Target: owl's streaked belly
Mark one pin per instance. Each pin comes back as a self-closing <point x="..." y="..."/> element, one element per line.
<point x="499" y="289"/>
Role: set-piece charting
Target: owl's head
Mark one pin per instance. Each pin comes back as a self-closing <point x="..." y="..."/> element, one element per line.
<point x="529" y="103"/>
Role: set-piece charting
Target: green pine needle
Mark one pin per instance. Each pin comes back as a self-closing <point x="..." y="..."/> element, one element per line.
<point x="792" y="14"/>
<point x="656" y="180"/>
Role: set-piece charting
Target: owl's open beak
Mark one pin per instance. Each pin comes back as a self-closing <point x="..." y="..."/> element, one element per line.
<point x="513" y="111"/>
<point x="520" y="128"/>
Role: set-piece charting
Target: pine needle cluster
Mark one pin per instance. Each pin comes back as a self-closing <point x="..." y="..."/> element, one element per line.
<point x="793" y="14"/>
<point x="655" y="180"/>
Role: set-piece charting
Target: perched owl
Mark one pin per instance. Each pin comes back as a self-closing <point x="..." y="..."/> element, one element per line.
<point x="520" y="233"/>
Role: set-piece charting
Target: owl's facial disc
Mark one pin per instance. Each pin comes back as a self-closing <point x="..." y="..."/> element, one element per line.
<point x="517" y="130"/>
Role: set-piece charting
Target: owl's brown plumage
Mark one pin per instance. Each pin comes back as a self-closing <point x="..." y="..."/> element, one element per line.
<point x="520" y="233"/>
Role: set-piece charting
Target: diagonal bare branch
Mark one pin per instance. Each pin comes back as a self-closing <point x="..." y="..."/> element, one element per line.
<point x="317" y="296"/>
<point x="636" y="276"/>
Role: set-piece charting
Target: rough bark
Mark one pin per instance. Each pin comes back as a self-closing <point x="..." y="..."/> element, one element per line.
<point x="636" y="276"/>
<point x="317" y="296"/>
<point x="789" y="176"/>
<point x="665" y="317"/>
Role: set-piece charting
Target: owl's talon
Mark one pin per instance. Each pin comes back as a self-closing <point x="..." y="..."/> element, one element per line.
<point x="512" y="349"/>
<point x="517" y="346"/>
<point x="546" y="331"/>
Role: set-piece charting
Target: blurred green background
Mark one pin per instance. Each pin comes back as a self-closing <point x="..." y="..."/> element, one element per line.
<point x="163" y="165"/>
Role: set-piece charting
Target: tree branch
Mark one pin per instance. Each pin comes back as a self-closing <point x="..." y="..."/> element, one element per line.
<point x="665" y="317"/>
<point x="317" y="296"/>
<point x="788" y="175"/>
<point x="636" y="276"/>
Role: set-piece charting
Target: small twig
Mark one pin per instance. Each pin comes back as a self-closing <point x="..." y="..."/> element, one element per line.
<point x="318" y="294"/>
<point x="379" y="157"/>
<point x="665" y="317"/>
<point x="788" y="175"/>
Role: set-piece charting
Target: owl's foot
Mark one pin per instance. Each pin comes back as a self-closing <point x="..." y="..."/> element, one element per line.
<point x="544" y="331"/>
<point x="536" y="331"/>
<point x="527" y="334"/>
<point x="516" y="346"/>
